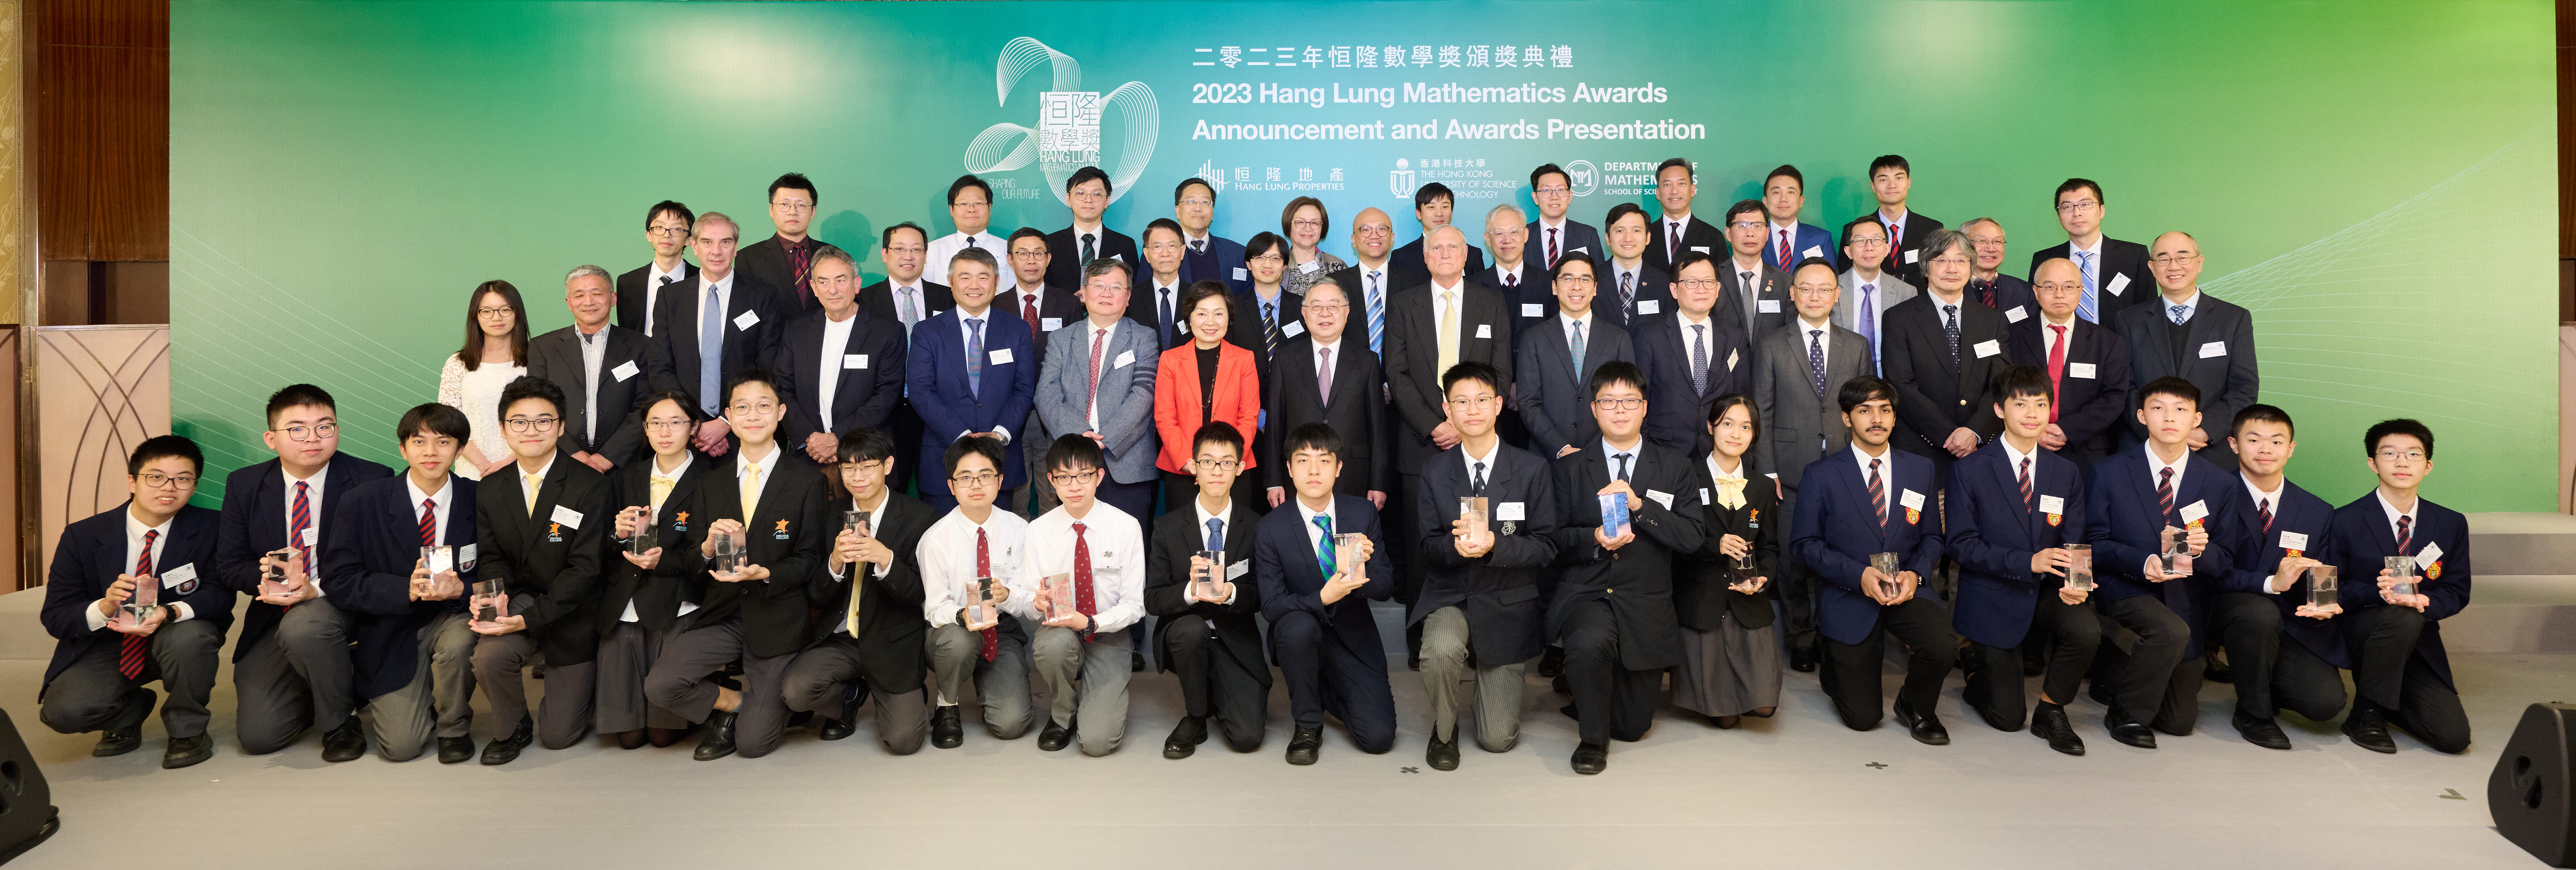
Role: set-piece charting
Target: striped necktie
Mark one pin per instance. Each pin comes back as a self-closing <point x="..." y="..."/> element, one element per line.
<point x="130" y="651"/>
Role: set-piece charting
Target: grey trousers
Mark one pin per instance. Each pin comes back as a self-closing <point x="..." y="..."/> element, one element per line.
<point x="626" y="653"/>
<point x="295" y="678"/>
<point x="826" y="673"/>
<point x="90" y="695"/>
<point x="563" y="715"/>
<point x="1444" y="670"/>
<point x="1001" y="685"/>
<point x="437" y="701"/>
<point x="678" y="683"/>
<point x="1088" y="680"/>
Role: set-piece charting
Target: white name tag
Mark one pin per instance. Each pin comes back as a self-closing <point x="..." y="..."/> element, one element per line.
<point x="1238" y="569"/>
<point x="1911" y="499"/>
<point x="567" y="516"/>
<point x="2193" y="512"/>
<point x="309" y="534"/>
<point x="1050" y="324"/>
<point x="623" y="371"/>
<point x="1310" y="266"/>
<point x="997" y="356"/>
<point x="2293" y="541"/>
<point x="1293" y="329"/>
<point x="1484" y="330"/>
<point x="175" y="576"/>
<point x="2118" y="283"/>
<point x="1123" y="359"/>
<point x="1510" y="510"/>
<point x="1988" y="348"/>
<point x="2049" y="504"/>
<point x="2079" y="370"/>
<point x="1731" y="357"/>
<point x="1767" y="306"/>
<point x="747" y="320"/>
<point x="1586" y="251"/>
<point x="854" y="360"/>
<point x="1241" y="275"/>
<point x="1661" y="498"/>
<point x="464" y="558"/>
<point x="2424" y="558"/>
<point x="1700" y="248"/>
<point x="1533" y="309"/>
<point x="2016" y="315"/>
<point x="1812" y="251"/>
<point x="1703" y="496"/>
<point x="1914" y="256"/>
<point x="2212" y="349"/>
<point x="1650" y="306"/>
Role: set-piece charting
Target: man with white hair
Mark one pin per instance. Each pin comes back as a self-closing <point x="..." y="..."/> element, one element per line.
<point x="599" y="366"/>
<point x="1431" y="326"/>
<point x="1521" y="280"/>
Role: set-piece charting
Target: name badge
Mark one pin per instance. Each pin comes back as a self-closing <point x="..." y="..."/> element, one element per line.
<point x="854" y="360"/>
<point x="1767" y="306"/>
<point x="1533" y="309"/>
<point x="2293" y="540"/>
<point x="2118" y="283"/>
<point x="1988" y="348"/>
<point x="2194" y="512"/>
<point x="567" y="516"/>
<point x="2425" y="558"/>
<point x="1238" y="569"/>
<point x="1293" y="329"/>
<point x="1050" y="324"/>
<point x="1731" y="357"/>
<point x="182" y="578"/>
<point x="1310" y="266"/>
<point x="1484" y="330"/>
<point x="2213" y="349"/>
<point x="623" y="371"/>
<point x="1241" y="275"/>
<point x="309" y="534"/>
<point x="1911" y="500"/>
<point x="2049" y="504"/>
<point x="1812" y="251"/>
<point x="1661" y="498"/>
<point x="747" y="320"/>
<point x="465" y="558"/>
<point x="997" y="356"/>
<point x="1700" y="248"/>
<point x="1123" y="360"/>
<point x="1650" y="306"/>
<point x="1511" y="510"/>
<point x="1914" y="256"/>
<point x="1118" y="257"/>
<point x="2079" y="370"/>
<point x="1704" y="500"/>
<point x="2016" y="315"/>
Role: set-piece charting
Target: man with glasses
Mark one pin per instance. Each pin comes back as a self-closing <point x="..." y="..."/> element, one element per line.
<point x="2401" y="674"/>
<point x="1370" y="279"/>
<point x="1157" y="302"/>
<point x="785" y="259"/>
<point x="1691" y="356"/>
<point x="1322" y="378"/>
<point x="1084" y="652"/>
<point x="543" y="528"/>
<point x="1801" y="369"/>
<point x="1073" y="248"/>
<point x="1520" y="279"/>
<point x="595" y="364"/>
<point x="971" y="373"/>
<point x="1557" y="359"/>
<point x="1479" y="601"/>
<point x="713" y="328"/>
<point x="962" y="552"/>
<point x="1942" y="353"/>
<point x="1752" y="289"/>
<point x="2114" y="271"/>
<point x="1891" y="179"/>
<point x="1205" y="632"/>
<point x="970" y="209"/>
<point x="1986" y="281"/>
<point x="869" y="643"/>
<point x="905" y="298"/>
<point x="1045" y="309"/>
<point x="1869" y="292"/>
<point x="1785" y="241"/>
<point x="1434" y="206"/>
<point x="2191" y="335"/>
<point x="1430" y="327"/>
<point x="1679" y="232"/>
<point x="1099" y="383"/>
<point x="2087" y="366"/>
<point x="1207" y="257"/>
<point x="1553" y="236"/>
<point x="639" y="291"/>
<point x="843" y="367"/>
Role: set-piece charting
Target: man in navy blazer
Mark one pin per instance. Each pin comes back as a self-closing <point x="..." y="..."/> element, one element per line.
<point x="2194" y="336"/>
<point x="1691" y="356"/>
<point x="2134" y="496"/>
<point x="2089" y="373"/>
<point x="1555" y="386"/>
<point x="841" y="353"/>
<point x="2114" y="270"/>
<point x="1553" y="236"/>
<point x="2012" y="510"/>
<point x="410" y="649"/>
<point x="1099" y="381"/>
<point x="103" y="653"/>
<point x="746" y="328"/>
<point x="2265" y="596"/>
<point x="973" y="371"/>
<point x="2401" y="674"/>
<point x="1321" y="633"/>
<point x="1856" y="504"/>
<point x="1785" y="240"/>
<point x="291" y="664"/>
<point x="1206" y="256"/>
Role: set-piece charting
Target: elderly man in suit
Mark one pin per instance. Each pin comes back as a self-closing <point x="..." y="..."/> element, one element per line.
<point x="2196" y="337"/>
<point x="1942" y="354"/>
<point x="1868" y="292"/>
<point x="1800" y="369"/>
<point x="1099" y="383"/>
<point x="1434" y="206"/>
<point x="1750" y="287"/>
<point x="842" y="367"/>
<point x="2087" y="366"/>
<point x="1986" y="281"/>
<point x="1430" y="327"/>
<point x="708" y="330"/>
<point x="1329" y="376"/>
<point x="595" y="364"/>
<point x="1557" y="359"/>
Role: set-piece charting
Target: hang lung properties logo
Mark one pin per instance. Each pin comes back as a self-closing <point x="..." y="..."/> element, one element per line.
<point x="1067" y="136"/>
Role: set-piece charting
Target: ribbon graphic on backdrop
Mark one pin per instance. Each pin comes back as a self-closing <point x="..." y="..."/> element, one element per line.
<point x="1067" y="135"/>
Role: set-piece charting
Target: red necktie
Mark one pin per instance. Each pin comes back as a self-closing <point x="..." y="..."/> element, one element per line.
<point x="1675" y="252"/>
<point x="2263" y="510"/>
<point x="2405" y="535"/>
<point x="800" y="256"/>
<point x="1082" y="600"/>
<point x="984" y="568"/>
<point x="2025" y="484"/>
<point x="2056" y="371"/>
<point x="1877" y="495"/>
<point x="1784" y="250"/>
<point x="301" y="517"/>
<point x="1511" y="281"/>
<point x="1029" y="310"/>
<point x="429" y="522"/>
<point x="1551" y="247"/>
<point x="1099" y="342"/>
<point x="129" y="653"/>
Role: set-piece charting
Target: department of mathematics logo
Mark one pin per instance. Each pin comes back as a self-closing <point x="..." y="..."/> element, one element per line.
<point x="1581" y="178"/>
<point x="1400" y="180"/>
<point x="1067" y="136"/>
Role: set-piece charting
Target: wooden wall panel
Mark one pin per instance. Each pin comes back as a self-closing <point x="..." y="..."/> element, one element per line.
<point x="100" y="390"/>
<point x="103" y="129"/>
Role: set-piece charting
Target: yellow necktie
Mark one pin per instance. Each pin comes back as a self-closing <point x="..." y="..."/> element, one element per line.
<point x="858" y="587"/>
<point x="533" y="483"/>
<point x="661" y="490"/>
<point x="1730" y="493"/>
<point x="750" y="494"/>
<point x="1448" y="331"/>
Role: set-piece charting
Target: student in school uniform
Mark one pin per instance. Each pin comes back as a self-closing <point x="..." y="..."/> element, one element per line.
<point x="1084" y="653"/>
<point x="2013" y="509"/>
<point x="868" y="645"/>
<point x="2261" y="614"/>
<point x="2401" y="673"/>
<point x="1480" y="602"/>
<point x="104" y="654"/>
<point x="1321" y="633"/>
<point x="410" y="650"/>
<point x="976" y="542"/>
<point x="1730" y="665"/>
<point x="645" y="599"/>
<point x="1206" y="634"/>
<point x="1853" y="505"/>
<point x="543" y="530"/>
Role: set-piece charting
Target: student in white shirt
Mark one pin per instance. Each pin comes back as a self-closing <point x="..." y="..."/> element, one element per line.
<point x="1097" y="553"/>
<point x="975" y="541"/>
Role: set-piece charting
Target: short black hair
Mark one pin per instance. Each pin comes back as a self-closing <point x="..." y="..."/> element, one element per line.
<point x="886" y="239"/>
<point x="1889" y="161"/>
<point x="1741" y="206"/>
<point x="292" y="395"/>
<point x="1312" y="436"/>
<point x="762" y="377"/>
<point x="1546" y="169"/>
<point x="795" y="181"/>
<point x="2399" y="426"/>
<point x="958" y="450"/>
<point x="1264" y="241"/>
<point x="433" y="418"/>
<point x="531" y="387"/>
<point x="2263" y="413"/>
<point x="1623" y="210"/>
<point x="2072" y="185"/>
<point x="1024" y="233"/>
<point x="1167" y="224"/>
<point x="1196" y="291"/>
<point x="159" y="446"/>
<point x="1688" y="259"/>
<point x="1862" y="389"/>
<point x="1788" y="170"/>
<point x="865" y="443"/>
<point x="1810" y="261"/>
<point x="1106" y="265"/>
<point x="2018" y="382"/>
<point x="1471" y="370"/>
<point x="1185" y="185"/>
<point x="1553" y="272"/>
<point x="1220" y="432"/>
<point x="2168" y="386"/>
<point x="687" y="406"/>
<point x="1422" y="196"/>
<point x="1718" y="407"/>
<point x="966" y="181"/>
<point x="1073" y="451"/>
<point x="1089" y="174"/>
<point x="1872" y="219"/>
<point x="674" y="207"/>
<point x="1615" y="372"/>
<point x="1670" y="162"/>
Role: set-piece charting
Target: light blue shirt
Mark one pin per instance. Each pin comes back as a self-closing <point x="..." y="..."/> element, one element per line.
<point x="2189" y="307"/>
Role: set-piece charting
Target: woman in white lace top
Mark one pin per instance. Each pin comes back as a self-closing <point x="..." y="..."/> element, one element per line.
<point x="495" y="353"/>
<point x="1304" y="225"/>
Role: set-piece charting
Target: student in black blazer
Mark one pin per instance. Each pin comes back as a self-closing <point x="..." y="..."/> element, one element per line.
<point x="541" y="548"/>
<point x="2401" y="672"/>
<point x="2212" y="346"/>
<point x="2012" y="510"/>
<point x="1730" y="664"/>
<point x="600" y="427"/>
<point x="1631" y="288"/>
<point x="1679" y="232"/>
<point x="1321" y="633"/>
<point x="1613" y="607"/>
<point x="748" y="329"/>
<point x="869" y="639"/>
<point x="1413" y="369"/>
<point x="1434" y="206"/>
<point x="666" y="228"/>
<point x="1855" y="504"/>
<point x="1944" y="385"/>
<point x="1070" y="249"/>
<point x="1554" y="387"/>
<point x="1691" y="356"/>
<point x="409" y="648"/>
<point x="1296" y="398"/>
<point x="2118" y="271"/>
<point x="1553" y="237"/>
<point x="1210" y="642"/>
<point x="641" y="605"/>
<point x="291" y="663"/>
<point x="104" y="654"/>
<point x="2261" y="613"/>
<point x="2090" y="377"/>
<point x="862" y="366"/>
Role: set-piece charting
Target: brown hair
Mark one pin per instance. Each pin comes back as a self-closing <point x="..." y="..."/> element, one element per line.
<point x="472" y="353"/>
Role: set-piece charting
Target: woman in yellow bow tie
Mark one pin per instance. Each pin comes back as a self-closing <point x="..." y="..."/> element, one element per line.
<point x="1730" y="656"/>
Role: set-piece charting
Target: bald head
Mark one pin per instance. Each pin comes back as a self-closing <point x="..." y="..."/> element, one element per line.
<point x="1372" y="233"/>
<point x="2060" y="288"/>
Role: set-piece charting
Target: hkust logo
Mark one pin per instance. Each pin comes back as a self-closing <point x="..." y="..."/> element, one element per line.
<point x="1400" y="180"/>
<point x="1067" y="136"/>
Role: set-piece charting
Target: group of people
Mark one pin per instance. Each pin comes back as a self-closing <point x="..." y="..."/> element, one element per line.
<point x="766" y="496"/>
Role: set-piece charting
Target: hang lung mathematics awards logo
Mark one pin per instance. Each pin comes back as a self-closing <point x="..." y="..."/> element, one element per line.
<point x="1067" y="136"/>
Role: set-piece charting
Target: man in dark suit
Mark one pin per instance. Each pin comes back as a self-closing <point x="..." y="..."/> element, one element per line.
<point x="1434" y="206"/>
<point x="543" y="528"/>
<point x="2013" y="509"/>
<point x="1751" y="289"/>
<point x="1520" y="278"/>
<point x="1633" y="288"/>
<point x="842" y="367"/>
<point x="1204" y="633"/>
<point x="1890" y="180"/>
<point x="1785" y="240"/>
<point x="1430" y="327"/>
<point x="972" y="373"/>
<point x="2133" y="496"/>
<point x="1071" y="249"/>
<point x="1206" y="256"/>
<point x="1553" y="237"/>
<point x="785" y="259"/>
<point x="2264" y="598"/>
<point x="1046" y="309"/>
<point x="1690" y="356"/>
<point x="1856" y="505"/>
<point x="666" y="228"/>
<point x="595" y="365"/>
<point x="1986" y="281"/>
<point x="2087" y="366"/>
<point x="2114" y="271"/>
<point x="905" y="298"/>
<point x="2401" y="673"/>
<point x="1679" y="232"/>
<point x="1159" y="287"/>
<point x="1798" y="373"/>
<point x="1367" y="282"/>
<point x="1555" y="381"/>
<point x="640" y="608"/>
<point x="1321" y="378"/>
<point x="714" y="327"/>
<point x="1613" y="607"/>
<point x="1481" y="598"/>
<point x="1315" y="595"/>
<point x="1942" y="352"/>
<point x="869" y="641"/>
<point x="154" y="546"/>
<point x="409" y="648"/>
<point x="2191" y="335"/>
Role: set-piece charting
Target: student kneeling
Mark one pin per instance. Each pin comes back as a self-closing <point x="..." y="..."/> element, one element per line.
<point x="543" y="532"/>
<point x="1098" y="552"/>
<point x="1207" y="635"/>
<point x="2013" y="510"/>
<point x="1481" y="595"/>
<point x="1316" y="599"/>
<point x="1867" y="502"/>
<point x="869" y="641"/>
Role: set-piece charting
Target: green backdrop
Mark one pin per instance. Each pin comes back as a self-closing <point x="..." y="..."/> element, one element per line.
<point x="2373" y="179"/>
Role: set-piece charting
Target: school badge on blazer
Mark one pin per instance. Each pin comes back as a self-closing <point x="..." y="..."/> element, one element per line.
<point x="781" y="532"/>
<point x="1753" y="518"/>
<point x="2431" y="572"/>
<point x="1912" y="515"/>
<point x="554" y="533"/>
<point x="680" y="522"/>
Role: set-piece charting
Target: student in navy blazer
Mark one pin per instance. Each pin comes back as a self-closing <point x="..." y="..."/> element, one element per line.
<point x="2012" y="510"/>
<point x="2401" y="674"/>
<point x="957" y="397"/>
<point x="2158" y="679"/>
<point x="2265" y="595"/>
<point x="102" y="654"/>
<point x="410" y="649"/>
<point x="1837" y="526"/>
<point x="1329" y="652"/>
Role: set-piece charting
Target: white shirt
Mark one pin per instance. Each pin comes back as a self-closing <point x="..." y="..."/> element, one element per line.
<point x="1610" y="457"/>
<point x="2015" y="458"/>
<point x="1773" y="233"/>
<point x="1441" y="299"/>
<point x="2190" y="306"/>
<point x="1167" y="296"/>
<point x="724" y="301"/>
<point x="686" y="457"/>
<point x="446" y="496"/>
<point x="2156" y="470"/>
<point x="1117" y="546"/>
<point x="1564" y="238"/>
<point x="522" y="472"/>
<point x="1675" y="226"/>
<point x="836" y="342"/>
<point x="1634" y="280"/>
<point x="1895" y="225"/>
<point x="1577" y="326"/>
<point x="2412" y="526"/>
<point x="594" y="354"/>
<point x="876" y="520"/>
<point x="768" y="467"/>
<point x="313" y="509"/>
<point x="653" y="281"/>
<point x="1516" y="272"/>
<point x="935" y="270"/>
<point x="1723" y="474"/>
<point x="134" y="530"/>
<point x="2094" y="252"/>
<point x="1821" y="337"/>
<point x="1469" y="462"/>
<point x="1225" y="521"/>
<point x="1315" y="533"/>
<point x="2048" y="337"/>
<point x="1100" y="335"/>
<point x="947" y="558"/>
<point x="1330" y="351"/>
<point x="1707" y="334"/>
<point x="2270" y="501"/>
<point x="920" y="304"/>
<point x="1886" y="475"/>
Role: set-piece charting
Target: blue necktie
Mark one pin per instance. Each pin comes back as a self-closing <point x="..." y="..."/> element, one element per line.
<point x="1376" y="315"/>
<point x="2180" y="314"/>
<point x="1869" y="321"/>
<point x="975" y="356"/>
<point x="711" y="353"/>
<point x="1216" y="535"/>
<point x="2092" y="300"/>
<point x="1324" y="555"/>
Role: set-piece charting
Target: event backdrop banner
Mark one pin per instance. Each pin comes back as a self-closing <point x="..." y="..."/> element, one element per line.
<point x="2373" y="180"/>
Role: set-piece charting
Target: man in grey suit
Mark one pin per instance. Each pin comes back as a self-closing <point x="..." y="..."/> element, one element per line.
<point x="2196" y="337"/>
<point x="1098" y="382"/>
<point x="1748" y="285"/>
<point x="1866" y="290"/>
<point x="1555" y="382"/>
<point x="598" y="365"/>
<point x="1798" y="370"/>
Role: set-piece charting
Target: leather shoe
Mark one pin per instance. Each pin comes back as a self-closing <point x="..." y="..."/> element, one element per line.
<point x="947" y="728"/>
<point x="1551" y="663"/>
<point x="1925" y="727"/>
<point x="2261" y="732"/>
<point x="718" y="742"/>
<point x="345" y="743"/>
<point x="1442" y="755"/>
<point x="185" y="751"/>
<point x="506" y="749"/>
<point x="2049" y="722"/>
<point x="2127" y="730"/>
<point x="1185" y="738"/>
<point x="2368" y="727"/>
<point x="1802" y="659"/>
<point x="1055" y="736"/>
<point x="1303" y="745"/>
<point x="117" y="741"/>
<point x="846" y="725"/>
<point x="1591" y="758"/>
<point x="455" y="750"/>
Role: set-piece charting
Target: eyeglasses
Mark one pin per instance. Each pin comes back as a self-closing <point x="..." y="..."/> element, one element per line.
<point x="2394" y="456"/>
<point x="1696" y="283"/>
<point x="1086" y="193"/>
<point x="1814" y="291"/>
<point x="1475" y="403"/>
<point x="905" y="249"/>
<point x="1218" y="464"/>
<point x="792" y="207"/>
<point x="1952" y="259"/>
<point x="753" y="407"/>
<point x="501" y="311"/>
<point x="666" y="426"/>
<point x="1327" y="307"/>
<point x="1549" y="191"/>
<point x="668" y="232"/>
<point x="1995" y="242"/>
<point x="1511" y="233"/>
<point x="865" y="464"/>
<point x="1197" y="201"/>
<point x="975" y="478"/>
<point x="310" y="433"/>
<point x="1068" y="478"/>
<point x="1618" y="404"/>
<point x="1265" y="258"/>
<point x="524" y="424"/>
<point x="1866" y="242"/>
<point x="2077" y="205"/>
<point x="1303" y="224"/>
<point x="1029" y="255"/>
<point x="157" y="480"/>
<point x="1373" y="230"/>
<point x="2171" y="259"/>
<point x="1745" y="225"/>
<point x="1575" y="280"/>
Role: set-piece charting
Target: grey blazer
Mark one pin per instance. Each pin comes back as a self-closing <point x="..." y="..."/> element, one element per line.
<point x="1770" y="285"/>
<point x="1551" y="393"/>
<point x="556" y="356"/>
<point x="1847" y="310"/>
<point x="1126" y="393"/>
<point x="1797" y="426"/>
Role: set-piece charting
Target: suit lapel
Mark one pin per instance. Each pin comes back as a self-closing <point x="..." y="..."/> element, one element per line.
<point x="1856" y="485"/>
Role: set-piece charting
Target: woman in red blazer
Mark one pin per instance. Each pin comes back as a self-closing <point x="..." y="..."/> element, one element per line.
<point x="1207" y="379"/>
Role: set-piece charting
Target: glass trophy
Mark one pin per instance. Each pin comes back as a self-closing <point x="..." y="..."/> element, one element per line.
<point x="2079" y="567"/>
<point x="855" y="521"/>
<point x="491" y="601"/>
<point x="2402" y="570"/>
<point x="1886" y="565"/>
<point x="646" y="537"/>
<point x="728" y="555"/>
<point x="2321" y="585"/>
<point x="1472" y="509"/>
<point x="138" y="607"/>
<point x="1346" y="554"/>
<point x="1203" y="571"/>
<point x="2177" y="551"/>
<point x="1614" y="516"/>
<point x="440" y="559"/>
<point x="1055" y="597"/>
<point x="272" y="580"/>
<point x="980" y="612"/>
<point x="1740" y="571"/>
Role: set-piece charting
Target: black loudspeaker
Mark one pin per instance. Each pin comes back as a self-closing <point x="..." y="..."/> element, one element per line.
<point x="2527" y="794"/>
<point x="27" y="814"/>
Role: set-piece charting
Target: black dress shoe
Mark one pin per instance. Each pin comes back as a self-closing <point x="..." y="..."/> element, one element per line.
<point x="2368" y="727"/>
<point x="1925" y="727"/>
<point x="2127" y="730"/>
<point x="1303" y="745"/>
<point x="345" y="743"/>
<point x="1442" y="756"/>
<point x="506" y="749"/>
<point x="455" y="750"/>
<point x="1570" y="712"/>
<point x="630" y="739"/>
<point x="2261" y="732"/>
<point x="1802" y="659"/>
<point x="1591" y="758"/>
<point x="1055" y="736"/>
<point x="947" y="728"/>
<point x="185" y="751"/>
<point x="846" y="725"/>
<point x="2049" y="722"/>
<point x="117" y="741"/>
<point x="1185" y="738"/>
<point x="1551" y="663"/>
<point x="718" y="742"/>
